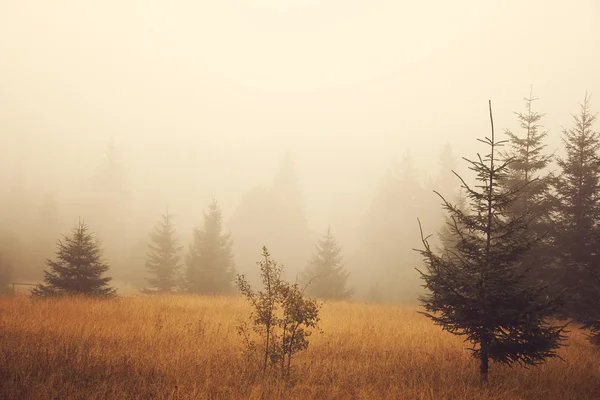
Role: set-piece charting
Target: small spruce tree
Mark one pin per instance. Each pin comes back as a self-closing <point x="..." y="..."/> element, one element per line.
<point x="577" y="214"/>
<point x="79" y="268"/>
<point x="162" y="261"/>
<point x="325" y="276"/>
<point x="210" y="265"/>
<point x="481" y="292"/>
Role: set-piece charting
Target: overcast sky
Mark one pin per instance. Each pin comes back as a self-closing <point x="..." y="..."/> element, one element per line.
<point x="204" y="97"/>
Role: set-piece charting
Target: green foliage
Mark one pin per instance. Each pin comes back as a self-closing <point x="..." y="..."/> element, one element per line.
<point x="210" y="265"/>
<point x="78" y="269"/>
<point x="162" y="261"/>
<point x="325" y="276"/>
<point x="577" y="213"/>
<point x="281" y="318"/>
<point x="480" y="291"/>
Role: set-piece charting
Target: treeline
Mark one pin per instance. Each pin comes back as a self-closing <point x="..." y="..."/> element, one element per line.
<point x="208" y="267"/>
<point x="380" y="264"/>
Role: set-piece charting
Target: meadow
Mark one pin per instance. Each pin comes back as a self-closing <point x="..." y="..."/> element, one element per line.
<point x="187" y="347"/>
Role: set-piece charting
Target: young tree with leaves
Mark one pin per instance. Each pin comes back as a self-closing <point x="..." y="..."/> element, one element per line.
<point x="79" y="268"/>
<point x="282" y="318"/>
<point x="162" y="261"/>
<point x="325" y="276"/>
<point x="210" y="265"/>
<point x="481" y="292"/>
<point x="577" y="213"/>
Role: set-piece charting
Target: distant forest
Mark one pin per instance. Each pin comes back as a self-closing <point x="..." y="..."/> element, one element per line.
<point x="559" y="193"/>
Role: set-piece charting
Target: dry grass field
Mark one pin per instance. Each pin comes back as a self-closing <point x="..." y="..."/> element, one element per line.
<point x="182" y="347"/>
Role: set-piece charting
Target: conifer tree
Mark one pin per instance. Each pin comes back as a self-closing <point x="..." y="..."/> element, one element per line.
<point x="481" y="293"/>
<point x="210" y="265"/>
<point x="325" y="276"/>
<point x="79" y="268"/>
<point x="525" y="173"/>
<point x="162" y="261"/>
<point x="577" y="214"/>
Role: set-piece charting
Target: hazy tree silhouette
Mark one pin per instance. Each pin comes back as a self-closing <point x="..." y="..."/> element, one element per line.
<point x="273" y="214"/>
<point x="162" y="259"/>
<point x="526" y="173"/>
<point x="325" y="274"/>
<point x="481" y="292"/>
<point x="78" y="269"/>
<point x="109" y="205"/>
<point x="210" y="265"/>
<point x="577" y="234"/>
<point x="288" y="216"/>
<point x="388" y="230"/>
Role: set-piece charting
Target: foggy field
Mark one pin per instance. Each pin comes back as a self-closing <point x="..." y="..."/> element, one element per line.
<point x="182" y="347"/>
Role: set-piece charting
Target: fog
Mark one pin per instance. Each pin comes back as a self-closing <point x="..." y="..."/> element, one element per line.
<point x="204" y="99"/>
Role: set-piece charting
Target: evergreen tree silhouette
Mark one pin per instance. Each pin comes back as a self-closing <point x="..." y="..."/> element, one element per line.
<point x="210" y="265"/>
<point x="162" y="259"/>
<point x="325" y="275"/>
<point x="481" y="292"/>
<point x="78" y="269"/>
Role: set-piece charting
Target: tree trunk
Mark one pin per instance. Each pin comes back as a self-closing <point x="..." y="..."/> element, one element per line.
<point x="483" y="362"/>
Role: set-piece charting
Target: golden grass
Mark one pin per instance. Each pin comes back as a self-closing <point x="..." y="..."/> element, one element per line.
<point x="183" y="347"/>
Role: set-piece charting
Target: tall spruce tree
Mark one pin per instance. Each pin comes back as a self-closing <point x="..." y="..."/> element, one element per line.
<point x="210" y="265"/>
<point x="325" y="274"/>
<point x="79" y="268"/>
<point x="162" y="259"/>
<point x="482" y="293"/>
<point x="526" y="174"/>
<point x="577" y="214"/>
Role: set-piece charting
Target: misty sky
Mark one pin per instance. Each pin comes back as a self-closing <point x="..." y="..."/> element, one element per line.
<point x="205" y="97"/>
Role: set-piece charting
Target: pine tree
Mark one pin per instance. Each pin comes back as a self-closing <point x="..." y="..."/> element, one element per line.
<point x="577" y="214"/>
<point x="525" y="173"/>
<point x="162" y="261"/>
<point x="481" y="293"/>
<point x="78" y="269"/>
<point x="210" y="265"/>
<point x="325" y="275"/>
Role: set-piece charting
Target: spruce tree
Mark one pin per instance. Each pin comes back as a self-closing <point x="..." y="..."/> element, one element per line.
<point x="162" y="261"/>
<point x="325" y="275"/>
<point x="525" y="173"/>
<point x="210" y="265"/>
<point x="482" y="293"/>
<point x="577" y="213"/>
<point x="79" y="268"/>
